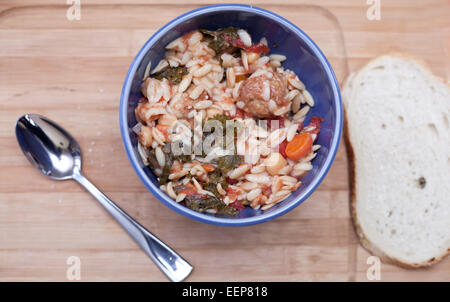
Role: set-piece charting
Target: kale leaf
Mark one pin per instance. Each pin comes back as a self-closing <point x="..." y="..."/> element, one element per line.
<point x="173" y="74"/>
<point x="220" y="40"/>
<point x="201" y="203"/>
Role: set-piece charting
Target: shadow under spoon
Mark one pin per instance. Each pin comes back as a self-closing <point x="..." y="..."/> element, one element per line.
<point x="55" y="153"/>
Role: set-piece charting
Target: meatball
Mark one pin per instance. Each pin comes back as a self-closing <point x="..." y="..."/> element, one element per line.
<point x="257" y="92"/>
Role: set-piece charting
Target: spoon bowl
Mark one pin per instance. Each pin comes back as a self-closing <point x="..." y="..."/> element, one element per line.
<point x="48" y="147"/>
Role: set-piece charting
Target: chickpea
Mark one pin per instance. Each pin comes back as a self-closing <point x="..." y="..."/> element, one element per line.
<point x="140" y="111"/>
<point x="274" y="163"/>
<point x="167" y="119"/>
<point x="145" y="136"/>
<point x="252" y="57"/>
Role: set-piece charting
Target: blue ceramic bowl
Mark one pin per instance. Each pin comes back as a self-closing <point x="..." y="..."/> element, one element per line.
<point x="303" y="57"/>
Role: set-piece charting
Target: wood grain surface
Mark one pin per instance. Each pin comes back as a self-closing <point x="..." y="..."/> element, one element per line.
<point x="72" y="72"/>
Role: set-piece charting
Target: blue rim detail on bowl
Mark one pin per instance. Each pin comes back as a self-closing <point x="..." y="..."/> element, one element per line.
<point x="204" y="217"/>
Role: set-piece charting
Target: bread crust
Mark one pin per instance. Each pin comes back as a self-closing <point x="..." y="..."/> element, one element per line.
<point x="369" y="246"/>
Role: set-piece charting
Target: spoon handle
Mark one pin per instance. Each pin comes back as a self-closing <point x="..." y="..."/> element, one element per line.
<point x="172" y="264"/>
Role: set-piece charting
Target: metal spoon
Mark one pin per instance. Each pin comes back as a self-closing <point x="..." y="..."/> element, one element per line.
<point x="55" y="153"/>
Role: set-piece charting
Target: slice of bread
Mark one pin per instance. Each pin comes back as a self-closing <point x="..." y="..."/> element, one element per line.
<point x="398" y="140"/>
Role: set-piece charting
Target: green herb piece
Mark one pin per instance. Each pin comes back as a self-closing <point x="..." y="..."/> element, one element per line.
<point x="228" y="162"/>
<point x="219" y="175"/>
<point x="152" y="161"/>
<point x="173" y="74"/>
<point x="220" y="40"/>
<point x="201" y="203"/>
<point x="212" y="187"/>
<point x="169" y="158"/>
<point x="222" y="118"/>
<point x="226" y="127"/>
<point x="183" y="158"/>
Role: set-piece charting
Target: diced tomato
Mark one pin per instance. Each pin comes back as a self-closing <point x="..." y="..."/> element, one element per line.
<point x="232" y="194"/>
<point x="188" y="189"/>
<point x="276" y="118"/>
<point x="282" y="148"/>
<point x="316" y="122"/>
<point x="267" y="190"/>
<point x="208" y="167"/>
<point x="236" y="42"/>
<point x="257" y="48"/>
<point x="232" y="191"/>
<point x="240" y="113"/>
<point x="231" y="181"/>
<point x="203" y="96"/>
<point x="240" y="77"/>
<point x="164" y="130"/>
<point x="237" y="205"/>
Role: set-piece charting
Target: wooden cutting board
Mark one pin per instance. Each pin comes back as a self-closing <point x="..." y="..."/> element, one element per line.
<point x="72" y="72"/>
